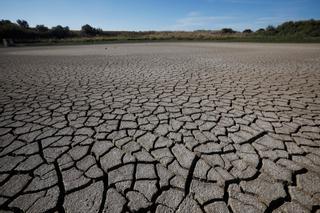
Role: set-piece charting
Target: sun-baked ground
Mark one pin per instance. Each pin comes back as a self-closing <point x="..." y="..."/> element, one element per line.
<point x="187" y="127"/>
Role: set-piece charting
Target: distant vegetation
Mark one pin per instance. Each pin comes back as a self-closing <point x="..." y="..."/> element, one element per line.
<point x="21" y="33"/>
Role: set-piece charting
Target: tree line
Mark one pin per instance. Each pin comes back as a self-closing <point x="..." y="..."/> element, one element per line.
<point x="22" y="31"/>
<point x="310" y="28"/>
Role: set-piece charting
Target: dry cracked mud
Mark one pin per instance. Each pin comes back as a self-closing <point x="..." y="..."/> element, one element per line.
<point x="167" y="127"/>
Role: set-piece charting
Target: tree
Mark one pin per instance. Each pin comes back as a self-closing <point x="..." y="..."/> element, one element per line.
<point x="11" y="30"/>
<point x="227" y="30"/>
<point x="99" y="31"/>
<point x="42" y="28"/>
<point x="300" y="28"/>
<point x="247" y="31"/>
<point x="60" y="32"/>
<point x="5" y="22"/>
<point x="261" y="30"/>
<point x="23" y="23"/>
<point x="87" y="30"/>
<point x="271" y="30"/>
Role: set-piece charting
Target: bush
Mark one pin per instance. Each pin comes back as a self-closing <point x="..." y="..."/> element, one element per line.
<point x="261" y="30"/>
<point x="42" y="28"/>
<point x="60" y="32"/>
<point x="227" y="30"/>
<point x="300" y="28"/>
<point x="247" y="31"/>
<point x="11" y="30"/>
<point x="271" y="30"/>
<point x="87" y="30"/>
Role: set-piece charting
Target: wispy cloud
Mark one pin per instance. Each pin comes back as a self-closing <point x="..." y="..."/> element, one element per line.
<point x="201" y="21"/>
<point x="195" y="20"/>
<point x="194" y="13"/>
<point x="271" y="20"/>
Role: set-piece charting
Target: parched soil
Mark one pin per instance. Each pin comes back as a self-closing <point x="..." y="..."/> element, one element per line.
<point x="160" y="127"/>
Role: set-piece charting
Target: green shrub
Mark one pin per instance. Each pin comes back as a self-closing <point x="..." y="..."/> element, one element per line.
<point x="227" y="30"/>
<point x="87" y="30"/>
<point x="247" y="31"/>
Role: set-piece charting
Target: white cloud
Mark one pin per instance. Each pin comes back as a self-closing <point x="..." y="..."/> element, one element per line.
<point x="201" y="21"/>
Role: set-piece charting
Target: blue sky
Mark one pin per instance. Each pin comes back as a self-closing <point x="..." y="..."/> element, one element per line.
<point x="159" y="14"/>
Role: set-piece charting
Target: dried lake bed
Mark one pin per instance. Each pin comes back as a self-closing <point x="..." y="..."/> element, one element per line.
<point x="160" y="127"/>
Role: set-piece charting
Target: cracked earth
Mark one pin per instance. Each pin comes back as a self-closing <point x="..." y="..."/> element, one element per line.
<point x="170" y="127"/>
